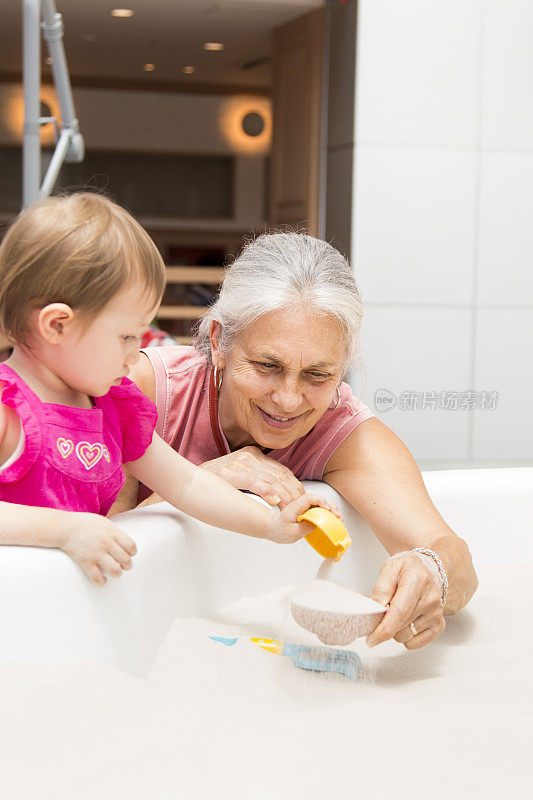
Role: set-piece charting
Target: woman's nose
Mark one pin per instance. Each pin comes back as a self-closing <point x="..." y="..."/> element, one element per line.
<point x="287" y="397"/>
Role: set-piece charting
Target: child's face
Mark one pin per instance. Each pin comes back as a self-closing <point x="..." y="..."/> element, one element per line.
<point x="101" y="354"/>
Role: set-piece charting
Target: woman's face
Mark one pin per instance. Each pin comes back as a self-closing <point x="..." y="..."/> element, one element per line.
<point x="279" y="377"/>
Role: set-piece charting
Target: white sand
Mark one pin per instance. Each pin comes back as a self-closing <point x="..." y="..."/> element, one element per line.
<point x="335" y="614"/>
<point x="329" y="596"/>
<point x="450" y="720"/>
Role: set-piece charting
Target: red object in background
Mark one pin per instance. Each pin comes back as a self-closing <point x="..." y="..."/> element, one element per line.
<point x="154" y="337"/>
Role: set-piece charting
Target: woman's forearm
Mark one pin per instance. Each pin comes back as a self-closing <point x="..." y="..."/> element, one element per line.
<point x="31" y="525"/>
<point x="462" y="578"/>
<point x="127" y="497"/>
<point x="379" y="477"/>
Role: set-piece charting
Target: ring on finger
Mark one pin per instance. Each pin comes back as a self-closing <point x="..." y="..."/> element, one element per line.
<point x="413" y="629"/>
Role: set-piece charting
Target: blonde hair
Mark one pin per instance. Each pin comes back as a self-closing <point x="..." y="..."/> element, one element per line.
<point x="79" y="249"/>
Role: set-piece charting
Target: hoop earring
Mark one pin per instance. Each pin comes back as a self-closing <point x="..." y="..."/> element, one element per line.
<point x="338" y="402"/>
<point x="217" y="378"/>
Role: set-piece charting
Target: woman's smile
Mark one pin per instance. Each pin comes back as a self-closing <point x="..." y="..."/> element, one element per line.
<point x="279" y="378"/>
<point x="277" y="420"/>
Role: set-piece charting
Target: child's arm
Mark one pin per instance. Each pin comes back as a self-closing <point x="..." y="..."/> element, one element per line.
<point x="30" y="525"/>
<point x="9" y="431"/>
<point x="99" y="547"/>
<point x="210" y="499"/>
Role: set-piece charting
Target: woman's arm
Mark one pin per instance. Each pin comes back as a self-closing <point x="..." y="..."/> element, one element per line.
<point x="142" y="374"/>
<point x="127" y="497"/>
<point x="377" y="475"/>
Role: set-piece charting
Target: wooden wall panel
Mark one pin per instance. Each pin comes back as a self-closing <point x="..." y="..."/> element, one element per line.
<point x="297" y="106"/>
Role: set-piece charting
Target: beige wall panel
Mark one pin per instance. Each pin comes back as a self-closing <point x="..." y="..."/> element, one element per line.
<point x="154" y="122"/>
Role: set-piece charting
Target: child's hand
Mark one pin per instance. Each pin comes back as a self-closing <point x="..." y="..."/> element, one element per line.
<point x="284" y="528"/>
<point x="99" y="547"/>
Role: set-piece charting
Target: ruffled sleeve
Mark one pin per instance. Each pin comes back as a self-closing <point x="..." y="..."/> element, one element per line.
<point x="138" y="418"/>
<point x="16" y="395"/>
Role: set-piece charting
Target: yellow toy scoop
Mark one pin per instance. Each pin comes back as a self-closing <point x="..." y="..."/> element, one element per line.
<point x="329" y="537"/>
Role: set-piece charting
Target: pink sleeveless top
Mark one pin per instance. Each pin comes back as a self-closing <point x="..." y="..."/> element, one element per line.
<point x="188" y="416"/>
<point x="72" y="457"/>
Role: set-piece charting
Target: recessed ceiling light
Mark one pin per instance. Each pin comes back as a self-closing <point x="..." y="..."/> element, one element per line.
<point x="189" y="70"/>
<point x="49" y="60"/>
<point x="213" y="46"/>
<point x="149" y="67"/>
<point x="122" y="12"/>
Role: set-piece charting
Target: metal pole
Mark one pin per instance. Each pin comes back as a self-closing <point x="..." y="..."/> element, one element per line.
<point x="55" y="164"/>
<point x="31" y="149"/>
<point x="70" y="146"/>
<point x="52" y="26"/>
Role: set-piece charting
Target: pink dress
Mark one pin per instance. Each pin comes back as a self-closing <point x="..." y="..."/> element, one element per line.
<point x="72" y="457"/>
<point x="188" y="420"/>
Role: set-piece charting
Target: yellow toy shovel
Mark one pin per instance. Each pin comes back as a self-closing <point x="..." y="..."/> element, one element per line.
<point x="329" y="537"/>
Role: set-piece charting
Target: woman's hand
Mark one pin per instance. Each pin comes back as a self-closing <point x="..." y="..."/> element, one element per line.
<point x="284" y="528"/>
<point x="249" y="469"/>
<point x="374" y="471"/>
<point x="414" y="597"/>
<point x="99" y="547"/>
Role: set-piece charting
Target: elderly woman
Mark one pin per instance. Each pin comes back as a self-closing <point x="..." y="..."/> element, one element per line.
<point x="261" y="401"/>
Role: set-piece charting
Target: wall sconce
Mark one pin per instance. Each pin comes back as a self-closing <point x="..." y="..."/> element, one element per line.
<point x="13" y="114"/>
<point x="253" y="124"/>
<point x="246" y="123"/>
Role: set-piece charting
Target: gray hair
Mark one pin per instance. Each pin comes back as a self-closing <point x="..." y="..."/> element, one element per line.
<point x="274" y="272"/>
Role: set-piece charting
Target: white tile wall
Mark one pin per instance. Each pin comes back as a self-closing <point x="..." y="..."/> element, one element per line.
<point x="504" y="364"/>
<point x="443" y="219"/>
<point x="507" y="103"/>
<point x="417" y="72"/>
<point x="414" y="217"/>
<point x="418" y="350"/>
<point x="506" y="228"/>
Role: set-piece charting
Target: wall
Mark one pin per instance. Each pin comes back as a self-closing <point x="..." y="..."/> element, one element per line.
<point x="164" y="123"/>
<point x="443" y="226"/>
<point x="341" y="25"/>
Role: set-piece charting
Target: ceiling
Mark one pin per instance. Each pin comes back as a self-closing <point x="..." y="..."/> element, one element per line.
<point x="166" y="33"/>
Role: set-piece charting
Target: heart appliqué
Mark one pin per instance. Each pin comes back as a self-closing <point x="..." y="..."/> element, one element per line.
<point x="89" y="454"/>
<point x="65" y="446"/>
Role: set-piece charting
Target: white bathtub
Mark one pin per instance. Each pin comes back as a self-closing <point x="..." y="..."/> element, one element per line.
<point x="183" y="568"/>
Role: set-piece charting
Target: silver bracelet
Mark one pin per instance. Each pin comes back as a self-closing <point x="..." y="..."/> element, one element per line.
<point x="440" y="566"/>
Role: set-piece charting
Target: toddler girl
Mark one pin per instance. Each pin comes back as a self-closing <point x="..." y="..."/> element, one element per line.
<point x="79" y="281"/>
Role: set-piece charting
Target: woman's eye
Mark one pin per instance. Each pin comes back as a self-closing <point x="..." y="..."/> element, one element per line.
<point x="265" y="365"/>
<point x="127" y="338"/>
<point x="318" y="376"/>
